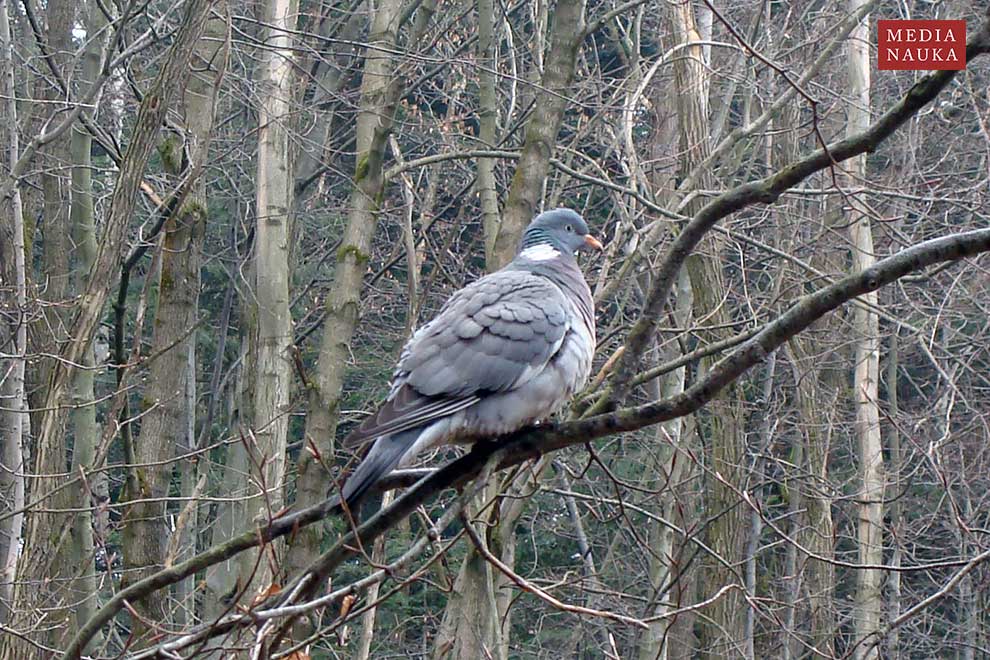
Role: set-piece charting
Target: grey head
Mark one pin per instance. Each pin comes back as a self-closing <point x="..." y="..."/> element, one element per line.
<point x="561" y="229"/>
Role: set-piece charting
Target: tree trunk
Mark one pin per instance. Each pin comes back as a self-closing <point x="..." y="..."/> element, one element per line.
<point x="816" y="397"/>
<point x="470" y="627"/>
<point x="866" y="376"/>
<point x="523" y="199"/>
<point x="363" y="651"/>
<point x="83" y="591"/>
<point x="271" y="361"/>
<point x="57" y="246"/>
<point x="145" y="531"/>
<point x="202" y="90"/>
<point x="380" y="91"/>
<point x="40" y="541"/>
<point x="273" y="372"/>
<point x="487" y="125"/>
<point x="473" y="605"/>
<point x="654" y="643"/>
<point x="14" y="420"/>
<point x="896" y="516"/>
<point x="163" y="427"/>
<point x="223" y="587"/>
<point x="332" y="73"/>
<point x="722" y="631"/>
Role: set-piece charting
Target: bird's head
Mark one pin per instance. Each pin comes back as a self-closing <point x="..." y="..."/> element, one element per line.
<point x="560" y="230"/>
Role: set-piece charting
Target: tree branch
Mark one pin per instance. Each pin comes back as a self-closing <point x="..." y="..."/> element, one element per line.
<point x="533" y="442"/>
<point x="767" y="191"/>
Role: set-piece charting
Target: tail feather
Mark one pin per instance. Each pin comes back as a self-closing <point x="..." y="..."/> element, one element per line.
<point x="384" y="456"/>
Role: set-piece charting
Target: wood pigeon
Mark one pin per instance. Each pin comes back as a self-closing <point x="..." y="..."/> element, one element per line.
<point x="504" y="352"/>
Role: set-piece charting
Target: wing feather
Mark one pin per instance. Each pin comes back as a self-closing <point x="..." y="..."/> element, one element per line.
<point x="491" y="336"/>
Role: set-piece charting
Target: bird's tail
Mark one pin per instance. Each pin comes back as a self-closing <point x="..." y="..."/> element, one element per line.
<point x="383" y="457"/>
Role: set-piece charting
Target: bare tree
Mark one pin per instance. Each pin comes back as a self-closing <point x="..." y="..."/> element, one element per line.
<point x="288" y="190"/>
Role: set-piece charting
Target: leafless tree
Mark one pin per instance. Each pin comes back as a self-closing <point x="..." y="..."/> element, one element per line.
<point x="221" y="221"/>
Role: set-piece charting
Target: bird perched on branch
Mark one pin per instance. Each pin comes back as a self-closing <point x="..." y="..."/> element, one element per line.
<point x="504" y="352"/>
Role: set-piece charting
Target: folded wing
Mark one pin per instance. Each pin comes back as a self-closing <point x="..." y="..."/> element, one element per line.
<point x="492" y="336"/>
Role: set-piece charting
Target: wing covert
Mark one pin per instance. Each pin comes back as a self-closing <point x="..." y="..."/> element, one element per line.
<point x="492" y="336"/>
<point x="489" y="339"/>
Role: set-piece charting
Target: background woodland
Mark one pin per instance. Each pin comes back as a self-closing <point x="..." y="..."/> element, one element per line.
<point x="221" y="219"/>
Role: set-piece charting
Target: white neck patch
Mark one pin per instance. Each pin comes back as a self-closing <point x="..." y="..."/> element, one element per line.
<point x="541" y="252"/>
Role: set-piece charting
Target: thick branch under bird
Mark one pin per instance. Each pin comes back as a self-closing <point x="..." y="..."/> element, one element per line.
<point x="506" y="351"/>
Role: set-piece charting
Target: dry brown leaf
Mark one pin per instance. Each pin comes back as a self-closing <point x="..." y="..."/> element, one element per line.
<point x="265" y="592"/>
<point x="346" y="604"/>
<point x="298" y="655"/>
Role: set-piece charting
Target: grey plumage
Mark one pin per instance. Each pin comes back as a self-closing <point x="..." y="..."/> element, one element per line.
<point x="505" y="351"/>
<point x="388" y="451"/>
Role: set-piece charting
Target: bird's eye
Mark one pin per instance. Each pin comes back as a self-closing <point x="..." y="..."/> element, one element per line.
<point x="569" y="228"/>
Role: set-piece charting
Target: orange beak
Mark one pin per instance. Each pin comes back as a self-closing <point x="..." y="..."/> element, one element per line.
<point x="593" y="242"/>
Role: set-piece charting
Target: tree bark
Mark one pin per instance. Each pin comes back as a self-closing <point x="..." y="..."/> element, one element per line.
<point x="39" y="543"/>
<point x="470" y="627"/>
<point x="523" y="199"/>
<point x="896" y="515"/>
<point x="816" y="392"/>
<point x="721" y="632"/>
<point x="14" y="419"/>
<point x="224" y="588"/>
<point x="273" y="372"/>
<point x="200" y="101"/>
<point x="487" y="124"/>
<point x="363" y="651"/>
<point x="667" y="591"/>
<point x="866" y="376"/>
<point x="163" y="427"/>
<point x="57" y="246"/>
<point x="380" y="91"/>
<point x="83" y="591"/>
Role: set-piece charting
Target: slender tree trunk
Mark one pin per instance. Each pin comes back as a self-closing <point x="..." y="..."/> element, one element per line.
<point x="274" y="199"/>
<point x="722" y="633"/>
<point x="816" y="395"/>
<point x="83" y="592"/>
<point x="866" y="377"/>
<point x="57" y="246"/>
<point x="49" y="335"/>
<point x="767" y="428"/>
<point x="654" y="643"/>
<point x="331" y="77"/>
<point x="968" y="591"/>
<point x="487" y="124"/>
<point x="595" y="586"/>
<point x="470" y="626"/>
<point x="896" y="516"/>
<point x="224" y="587"/>
<point x="191" y="481"/>
<point x="363" y="651"/>
<point x="273" y="237"/>
<point x="40" y="543"/>
<point x="145" y="533"/>
<point x="523" y="199"/>
<point x="380" y="91"/>
<point x="14" y="419"/>
<point x="202" y="89"/>
<point x="231" y="469"/>
<point x="164" y="424"/>
<point x="819" y="385"/>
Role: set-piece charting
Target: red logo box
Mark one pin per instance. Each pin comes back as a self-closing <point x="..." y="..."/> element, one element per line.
<point x="921" y="45"/>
